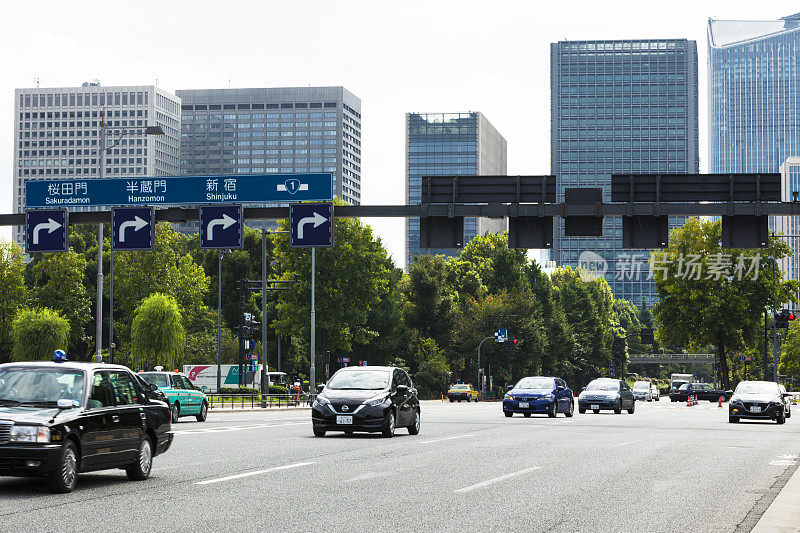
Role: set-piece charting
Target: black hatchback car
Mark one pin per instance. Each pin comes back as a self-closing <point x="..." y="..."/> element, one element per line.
<point x="366" y="398"/>
<point x="762" y="400"/>
<point x="701" y="391"/>
<point x="61" y="418"/>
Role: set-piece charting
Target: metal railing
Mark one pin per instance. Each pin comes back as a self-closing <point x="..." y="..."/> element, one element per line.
<point x="253" y="401"/>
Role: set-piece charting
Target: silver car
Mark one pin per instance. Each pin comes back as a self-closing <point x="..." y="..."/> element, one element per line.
<point x="645" y="390"/>
<point x="787" y="400"/>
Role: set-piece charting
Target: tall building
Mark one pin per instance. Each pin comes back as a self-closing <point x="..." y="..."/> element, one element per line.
<point x="57" y="135"/>
<point x="754" y="105"/>
<point x="787" y="226"/>
<point x="620" y="107"/>
<point x="450" y="144"/>
<point x="282" y="130"/>
<point x="754" y="94"/>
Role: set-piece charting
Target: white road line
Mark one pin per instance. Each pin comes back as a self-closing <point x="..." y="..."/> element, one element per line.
<point x="158" y="469"/>
<point x="446" y="438"/>
<point x="623" y="443"/>
<point x="255" y="473"/>
<point x="200" y="431"/>
<point x="497" y="479"/>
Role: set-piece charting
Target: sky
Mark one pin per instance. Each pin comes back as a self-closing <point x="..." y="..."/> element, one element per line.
<point x="398" y="57"/>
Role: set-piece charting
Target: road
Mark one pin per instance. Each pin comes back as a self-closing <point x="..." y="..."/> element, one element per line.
<point x="667" y="467"/>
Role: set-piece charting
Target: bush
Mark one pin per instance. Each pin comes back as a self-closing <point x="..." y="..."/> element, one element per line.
<point x="36" y="333"/>
<point x="238" y="390"/>
<point x="277" y="389"/>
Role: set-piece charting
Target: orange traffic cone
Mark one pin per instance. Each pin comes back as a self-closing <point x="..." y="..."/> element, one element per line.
<point x="688" y="401"/>
<point x="720" y="402"/>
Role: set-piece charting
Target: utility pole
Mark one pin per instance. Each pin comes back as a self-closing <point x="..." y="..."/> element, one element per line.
<point x="264" y="387"/>
<point x="312" y="373"/>
<point x="219" y="320"/>
<point x="242" y="285"/>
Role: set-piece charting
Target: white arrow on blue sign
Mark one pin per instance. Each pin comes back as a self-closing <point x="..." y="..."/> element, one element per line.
<point x="220" y="226"/>
<point x="46" y="230"/>
<point x="311" y="225"/>
<point x="132" y="228"/>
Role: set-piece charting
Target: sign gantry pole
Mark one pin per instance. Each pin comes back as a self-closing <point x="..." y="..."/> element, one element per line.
<point x="264" y="384"/>
<point x="312" y="377"/>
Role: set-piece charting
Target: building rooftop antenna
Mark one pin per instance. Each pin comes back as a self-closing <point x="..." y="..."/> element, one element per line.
<point x="36" y="80"/>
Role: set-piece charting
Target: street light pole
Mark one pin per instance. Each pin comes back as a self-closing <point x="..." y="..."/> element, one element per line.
<point x="219" y="320"/>
<point x="480" y="378"/>
<point x="774" y="329"/>
<point x="312" y="372"/>
<point x="264" y="388"/>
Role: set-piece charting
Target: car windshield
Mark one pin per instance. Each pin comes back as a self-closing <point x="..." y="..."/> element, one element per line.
<point x="603" y="385"/>
<point x="685" y="386"/>
<point x="359" y="380"/>
<point x="20" y="385"/>
<point x="536" y="383"/>
<point x="459" y="387"/>
<point x="757" y="387"/>
<point x="159" y="380"/>
<point x="641" y="385"/>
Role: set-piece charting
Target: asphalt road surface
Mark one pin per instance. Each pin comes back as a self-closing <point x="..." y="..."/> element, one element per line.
<point x="667" y="467"/>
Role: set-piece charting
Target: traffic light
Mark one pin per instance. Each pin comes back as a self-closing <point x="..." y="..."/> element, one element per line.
<point x="782" y="319"/>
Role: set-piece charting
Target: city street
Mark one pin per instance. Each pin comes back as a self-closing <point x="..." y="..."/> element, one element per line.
<point x="666" y="467"/>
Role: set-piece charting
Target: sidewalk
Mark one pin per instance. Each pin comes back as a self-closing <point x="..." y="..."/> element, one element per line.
<point x="783" y="514"/>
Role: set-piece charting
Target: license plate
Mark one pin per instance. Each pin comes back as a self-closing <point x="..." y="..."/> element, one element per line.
<point x="344" y="420"/>
<point x="523" y="405"/>
<point x="755" y="409"/>
<point x="595" y="407"/>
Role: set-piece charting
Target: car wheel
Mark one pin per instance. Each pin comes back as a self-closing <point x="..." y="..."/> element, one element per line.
<point x="596" y="411"/>
<point x="414" y="429"/>
<point x="319" y="432"/>
<point x="203" y="412"/>
<point x="508" y="414"/>
<point x="554" y="411"/>
<point x="571" y="410"/>
<point x="733" y="419"/>
<point x="459" y="401"/>
<point x="140" y="470"/>
<point x="389" y="423"/>
<point x="65" y="477"/>
<point x="526" y="415"/>
<point x="789" y="413"/>
<point x="175" y="411"/>
<point x="781" y="418"/>
<point x="658" y="398"/>
<point x="581" y="410"/>
<point x="618" y="408"/>
<point x="632" y="409"/>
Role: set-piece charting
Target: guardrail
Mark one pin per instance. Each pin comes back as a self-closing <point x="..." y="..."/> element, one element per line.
<point x="253" y="401"/>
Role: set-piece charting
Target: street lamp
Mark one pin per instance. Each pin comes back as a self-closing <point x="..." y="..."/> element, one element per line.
<point x="104" y="150"/>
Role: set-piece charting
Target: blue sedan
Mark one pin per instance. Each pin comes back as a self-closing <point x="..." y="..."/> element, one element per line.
<point x="539" y="395"/>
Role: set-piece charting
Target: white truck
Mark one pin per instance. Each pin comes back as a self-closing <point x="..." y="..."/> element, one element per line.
<point x="676" y="380"/>
<point x="205" y="376"/>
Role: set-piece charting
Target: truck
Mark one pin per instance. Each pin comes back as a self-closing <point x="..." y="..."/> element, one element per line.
<point x="205" y="376"/>
<point x="676" y="380"/>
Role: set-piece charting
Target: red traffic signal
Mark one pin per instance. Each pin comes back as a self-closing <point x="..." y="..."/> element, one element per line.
<point x="791" y="316"/>
<point x="514" y="341"/>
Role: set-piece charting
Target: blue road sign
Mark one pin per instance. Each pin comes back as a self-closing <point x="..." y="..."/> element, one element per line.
<point x="132" y="228"/>
<point x="46" y="231"/>
<point x="311" y="225"/>
<point x="501" y="335"/>
<point x="180" y="190"/>
<point x="220" y="226"/>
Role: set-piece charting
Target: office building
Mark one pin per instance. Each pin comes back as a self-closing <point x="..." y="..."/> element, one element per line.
<point x="450" y="144"/>
<point x="281" y="130"/>
<point x="620" y="107"/>
<point x="57" y="135"/>
<point x="789" y="227"/>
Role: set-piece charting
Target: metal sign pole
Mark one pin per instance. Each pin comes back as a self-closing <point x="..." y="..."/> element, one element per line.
<point x="264" y="387"/>
<point x="312" y="376"/>
<point x="98" y="356"/>
<point x="219" y="320"/>
<point x="111" y="302"/>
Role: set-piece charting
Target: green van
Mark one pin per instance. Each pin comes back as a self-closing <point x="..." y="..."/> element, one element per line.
<point x="184" y="398"/>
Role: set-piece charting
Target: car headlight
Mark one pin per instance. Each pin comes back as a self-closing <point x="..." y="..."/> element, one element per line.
<point x="376" y="401"/>
<point x="547" y="397"/>
<point x="508" y="397"/>
<point x="321" y="400"/>
<point x="29" y="434"/>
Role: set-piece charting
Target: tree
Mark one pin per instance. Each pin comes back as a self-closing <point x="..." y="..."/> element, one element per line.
<point x="433" y="375"/>
<point x="498" y="266"/>
<point x="56" y="281"/>
<point x="37" y="333"/>
<point x="712" y="296"/>
<point x="351" y="277"/>
<point x="15" y="294"/>
<point x="790" y="352"/>
<point x="560" y="341"/>
<point x="168" y="270"/>
<point x="158" y="334"/>
<point x="430" y="299"/>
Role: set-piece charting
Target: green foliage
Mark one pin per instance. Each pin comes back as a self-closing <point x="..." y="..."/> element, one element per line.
<point x="434" y="374"/>
<point x="15" y="294"/>
<point x="790" y="352"/>
<point x="200" y="348"/>
<point x="158" y="333"/>
<point x="689" y="310"/>
<point x="57" y="282"/>
<point x="37" y="333"/>
<point x="238" y="390"/>
<point x="430" y="300"/>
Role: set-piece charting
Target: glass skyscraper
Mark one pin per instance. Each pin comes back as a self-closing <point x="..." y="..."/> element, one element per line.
<point x="450" y="144"/>
<point x="620" y="107"/>
<point x="754" y="104"/>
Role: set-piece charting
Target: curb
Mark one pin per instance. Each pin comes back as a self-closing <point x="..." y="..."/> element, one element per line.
<point x="783" y="514"/>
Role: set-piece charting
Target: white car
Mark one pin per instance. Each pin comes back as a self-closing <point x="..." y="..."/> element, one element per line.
<point x="645" y="390"/>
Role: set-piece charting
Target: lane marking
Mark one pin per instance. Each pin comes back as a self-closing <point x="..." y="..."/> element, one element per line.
<point x="158" y="469"/>
<point x="446" y="438"/>
<point x="623" y="443"/>
<point x="254" y="473"/>
<point x="497" y="479"/>
<point x="369" y="475"/>
<point x="201" y="431"/>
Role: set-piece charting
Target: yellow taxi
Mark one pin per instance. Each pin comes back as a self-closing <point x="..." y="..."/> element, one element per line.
<point x="462" y="391"/>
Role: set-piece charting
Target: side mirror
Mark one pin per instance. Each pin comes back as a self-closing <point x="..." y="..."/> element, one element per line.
<point x="320" y="386"/>
<point x="153" y="387"/>
<point x="561" y="387"/>
<point x="583" y="389"/>
<point x="511" y="387"/>
<point x="65" y="404"/>
<point x="785" y="395"/>
<point x="402" y="389"/>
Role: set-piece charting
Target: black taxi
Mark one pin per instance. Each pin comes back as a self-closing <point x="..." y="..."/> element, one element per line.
<point x="61" y="418"/>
